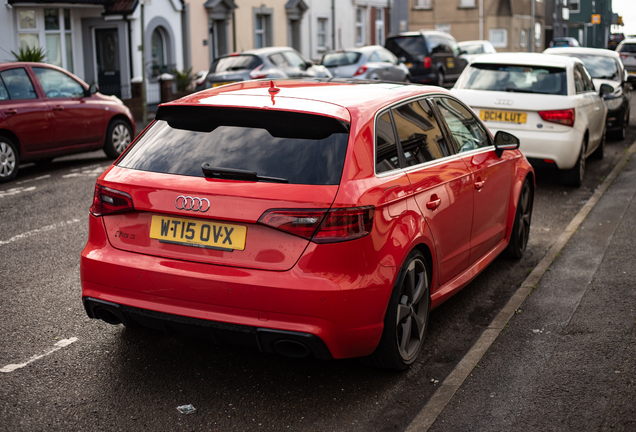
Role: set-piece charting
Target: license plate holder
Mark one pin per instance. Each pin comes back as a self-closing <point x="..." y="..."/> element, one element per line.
<point x="503" y="116"/>
<point x="198" y="233"/>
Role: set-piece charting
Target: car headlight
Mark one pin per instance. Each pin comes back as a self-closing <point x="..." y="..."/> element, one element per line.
<point x="613" y="103"/>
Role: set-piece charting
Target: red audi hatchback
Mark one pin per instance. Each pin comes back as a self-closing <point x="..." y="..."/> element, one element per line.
<point x="304" y="216"/>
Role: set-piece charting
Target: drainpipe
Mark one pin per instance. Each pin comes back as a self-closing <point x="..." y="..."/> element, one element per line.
<point x="333" y="23"/>
<point x="532" y="29"/>
<point x="481" y="19"/>
<point x="144" y="107"/>
<point x="130" y="56"/>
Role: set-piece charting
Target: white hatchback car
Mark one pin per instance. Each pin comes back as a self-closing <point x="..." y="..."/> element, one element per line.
<point x="549" y="102"/>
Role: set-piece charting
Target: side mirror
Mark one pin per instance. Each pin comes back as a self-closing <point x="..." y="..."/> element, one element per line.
<point x="402" y="59"/>
<point x="505" y="141"/>
<point x="308" y="64"/>
<point x="93" y="89"/>
<point x="605" y="89"/>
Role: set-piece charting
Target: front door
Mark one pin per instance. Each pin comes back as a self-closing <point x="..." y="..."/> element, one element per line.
<point x="107" y="56"/>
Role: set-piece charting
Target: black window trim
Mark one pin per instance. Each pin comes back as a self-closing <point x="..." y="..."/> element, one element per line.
<point x="443" y="127"/>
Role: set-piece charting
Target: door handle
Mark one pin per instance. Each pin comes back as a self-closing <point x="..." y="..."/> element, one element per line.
<point x="479" y="184"/>
<point x="11" y="111"/>
<point x="58" y="108"/>
<point x="433" y="204"/>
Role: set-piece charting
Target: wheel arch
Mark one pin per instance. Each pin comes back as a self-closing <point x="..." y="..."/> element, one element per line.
<point x="13" y="137"/>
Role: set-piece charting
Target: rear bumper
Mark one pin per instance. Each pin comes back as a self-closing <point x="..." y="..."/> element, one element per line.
<point x="335" y="293"/>
<point x="561" y="147"/>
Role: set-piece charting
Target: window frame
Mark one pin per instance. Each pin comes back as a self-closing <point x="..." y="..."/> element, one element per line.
<point x="360" y="27"/>
<point x="422" y="4"/>
<point x="321" y="33"/>
<point x="504" y="32"/>
<point x="458" y="151"/>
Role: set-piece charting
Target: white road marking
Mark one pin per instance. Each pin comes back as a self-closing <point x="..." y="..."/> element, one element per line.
<point x="92" y="171"/>
<point x="61" y="344"/>
<point x="15" y="191"/>
<point x="38" y="231"/>
<point x="34" y="179"/>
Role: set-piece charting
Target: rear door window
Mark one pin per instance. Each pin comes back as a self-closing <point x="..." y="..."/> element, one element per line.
<point x="236" y="63"/>
<point x="301" y="148"/>
<point x="420" y="136"/>
<point x="18" y="84"/>
<point x="410" y="47"/>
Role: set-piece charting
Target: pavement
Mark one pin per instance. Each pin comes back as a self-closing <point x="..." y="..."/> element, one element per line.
<point x="564" y="356"/>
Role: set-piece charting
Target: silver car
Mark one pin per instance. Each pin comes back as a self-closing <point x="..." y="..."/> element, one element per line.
<point x="369" y="62"/>
<point x="271" y="62"/>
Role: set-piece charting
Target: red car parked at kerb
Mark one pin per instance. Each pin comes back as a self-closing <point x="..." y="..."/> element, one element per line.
<point x="47" y="112"/>
<point x="304" y="216"/>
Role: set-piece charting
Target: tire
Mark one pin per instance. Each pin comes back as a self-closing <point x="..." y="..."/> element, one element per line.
<point x="407" y="79"/>
<point x="9" y="160"/>
<point x="622" y="133"/>
<point x="574" y="176"/>
<point x="440" y="78"/>
<point x="118" y="138"/>
<point x="600" y="150"/>
<point x="406" y="319"/>
<point x="521" y="226"/>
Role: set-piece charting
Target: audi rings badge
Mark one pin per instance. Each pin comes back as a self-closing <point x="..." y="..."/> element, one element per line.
<point x="506" y="102"/>
<point x="192" y="203"/>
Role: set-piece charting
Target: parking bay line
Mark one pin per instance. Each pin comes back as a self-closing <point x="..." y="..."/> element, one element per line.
<point x="443" y="395"/>
<point x="58" y="346"/>
<point x="38" y="231"/>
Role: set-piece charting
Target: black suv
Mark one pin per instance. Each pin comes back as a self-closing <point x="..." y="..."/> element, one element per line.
<point x="432" y="57"/>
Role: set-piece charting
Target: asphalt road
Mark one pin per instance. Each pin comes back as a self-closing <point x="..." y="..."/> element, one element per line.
<point x="73" y="373"/>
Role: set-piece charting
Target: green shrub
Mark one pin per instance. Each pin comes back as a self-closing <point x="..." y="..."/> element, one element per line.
<point x="29" y="54"/>
<point x="183" y="79"/>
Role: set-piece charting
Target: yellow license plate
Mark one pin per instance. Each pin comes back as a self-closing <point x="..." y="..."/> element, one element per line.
<point x="408" y="65"/>
<point x="503" y="116"/>
<point x="203" y="234"/>
<point x="221" y="83"/>
<point x="631" y="72"/>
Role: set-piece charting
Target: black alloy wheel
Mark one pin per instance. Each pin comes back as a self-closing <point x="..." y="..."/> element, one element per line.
<point x="600" y="150"/>
<point x="574" y="176"/>
<point x="406" y="319"/>
<point x="521" y="226"/>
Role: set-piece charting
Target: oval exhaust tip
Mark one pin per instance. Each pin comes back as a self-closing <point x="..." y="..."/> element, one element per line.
<point x="108" y="316"/>
<point x="291" y="348"/>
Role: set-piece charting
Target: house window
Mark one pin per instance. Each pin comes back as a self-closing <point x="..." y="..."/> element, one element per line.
<point x="574" y="6"/>
<point x="499" y="38"/>
<point x="379" y="26"/>
<point x="467" y="3"/>
<point x="522" y="38"/>
<point x="422" y="4"/>
<point x="537" y="34"/>
<point x="54" y="27"/>
<point x="260" y="31"/>
<point x="444" y="28"/>
<point x="158" y="48"/>
<point x="322" y="33"/>
<point x="359" y="26"/>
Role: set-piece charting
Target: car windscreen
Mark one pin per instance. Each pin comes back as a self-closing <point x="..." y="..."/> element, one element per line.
<point x="235" y="63"/>
<point x="598" y="67"/>
<point x="627" y="48"/>
<point x="298" y="147"/>
<point x="341" y="59"/>
<point x="410" y="47"/>
<point x="516" y="78"/>
<point x="472" y="48"/>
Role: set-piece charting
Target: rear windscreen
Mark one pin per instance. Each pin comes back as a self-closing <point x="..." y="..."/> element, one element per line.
<point x="301" y="148"/>
<point x="628" y="48"/>
<point x="235" y="63"/>
<point x="410" y="47"/>
<point x="340" y="59"/>
<point x="516" y="79"/>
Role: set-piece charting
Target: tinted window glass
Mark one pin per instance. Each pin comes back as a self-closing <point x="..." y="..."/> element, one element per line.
<point x="302" y="148"/>
<point x="627" y="48"/>
<point x="587" y="80"/>
<point x="578" y="81"/>
<point x="476" y="48"/>
<point x="386" y="154"/>
<point x="437" y="45"/>
<point x="410" y="47"/>
<point x="57" y="84"/>
<point x="599" y="67"/>
<point x="468" y="133"/>
<point x="18" y="84"/>
<point x="341" y="59"/>
<point x="235" y="63"/>
<point x="293" y="59"/>
<point x="516" y="78"/>
<point x="278" y="60"/>
<point x="4" y="94"/>
<point x="420" y="136"/>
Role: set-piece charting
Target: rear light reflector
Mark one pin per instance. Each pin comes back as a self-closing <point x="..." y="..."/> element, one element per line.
<point x="322" y="226"/>
<point x="108" y="201"/>
<point x="257" y="74"/>
<point x="427" y="62"/>
<point x="550" y="161"/>
<point x="623" y="56"/>
<point x="565" y="117"/>
<point x="361" y="70"/>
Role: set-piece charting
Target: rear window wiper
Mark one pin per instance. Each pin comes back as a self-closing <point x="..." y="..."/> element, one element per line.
<point x="518" y="90"/>
<point x="237" y="174"/>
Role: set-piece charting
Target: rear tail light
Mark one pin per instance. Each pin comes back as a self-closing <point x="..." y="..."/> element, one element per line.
<point x="427" y="62"/>
<point x="322" y="226"/>
<point x="108" y="201"/>
<point x="623" y="56"/>
<point x="565" y="117"/>
<point x="257" y="73"/>
<point x="361" y="70"/>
